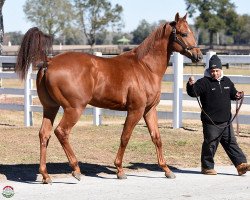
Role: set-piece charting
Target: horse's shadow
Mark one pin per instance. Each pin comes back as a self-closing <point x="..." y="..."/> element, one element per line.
<point x="28" y="173"/>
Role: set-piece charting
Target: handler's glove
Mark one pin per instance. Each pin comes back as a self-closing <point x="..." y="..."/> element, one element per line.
<point x="239" y="95"/>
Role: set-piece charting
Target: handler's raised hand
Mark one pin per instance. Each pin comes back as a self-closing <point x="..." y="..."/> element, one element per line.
<point x="191" y="80"/>
<point x="239" y="95"/>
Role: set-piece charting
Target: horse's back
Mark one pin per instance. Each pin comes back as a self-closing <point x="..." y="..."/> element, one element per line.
<point x="76" y="79"/>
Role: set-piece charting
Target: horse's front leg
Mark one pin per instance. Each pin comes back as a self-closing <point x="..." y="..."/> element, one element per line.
<point x="132" y="119"/>
<point x="151" y="120"/>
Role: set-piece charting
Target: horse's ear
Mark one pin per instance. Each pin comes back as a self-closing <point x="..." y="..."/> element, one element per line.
<point x="177" y="17"/>
<point x="173" y="23"/>
<point x="185" y="17"/>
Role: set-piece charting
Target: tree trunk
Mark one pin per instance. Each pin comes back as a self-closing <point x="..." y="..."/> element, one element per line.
<point x="211" y="35"/>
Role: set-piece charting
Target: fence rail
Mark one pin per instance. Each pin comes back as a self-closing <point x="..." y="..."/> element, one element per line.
<point x="177" y="97"/>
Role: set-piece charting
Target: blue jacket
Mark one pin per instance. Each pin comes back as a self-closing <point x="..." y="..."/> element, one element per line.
<point x="215" y="97"/>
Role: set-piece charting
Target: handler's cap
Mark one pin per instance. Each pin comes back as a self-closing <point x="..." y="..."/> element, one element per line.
<point x="215" y="62"/>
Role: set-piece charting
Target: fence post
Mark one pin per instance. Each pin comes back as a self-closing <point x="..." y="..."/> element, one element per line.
<point x="1" y="69"/>
<point x="209" y="54"/>
<point x="97" y="119"/>
<point x="28" y="99"/>
<point x="178" y="87"/>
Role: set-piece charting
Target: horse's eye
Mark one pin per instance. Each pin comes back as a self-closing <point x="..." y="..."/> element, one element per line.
<point x="184" y="34"/>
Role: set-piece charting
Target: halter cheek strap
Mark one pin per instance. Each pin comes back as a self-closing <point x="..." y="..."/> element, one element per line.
<point x="181" y="43"/>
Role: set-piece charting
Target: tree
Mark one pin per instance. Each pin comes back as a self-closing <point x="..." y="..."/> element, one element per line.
<point x="226" y="11"/>
<point x="14" y="37"/>
<point x="70" y="36"/>
<point x="214" y="15"/>
<point x="95" y="16"/>
<point x="51" y="16"/>
<point x="100" y="37"/>
<point x="141" y="32"/>
<point x="242" y="35"/>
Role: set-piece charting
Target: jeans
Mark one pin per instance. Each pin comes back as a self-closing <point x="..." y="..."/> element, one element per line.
<point x="212" y="137"/>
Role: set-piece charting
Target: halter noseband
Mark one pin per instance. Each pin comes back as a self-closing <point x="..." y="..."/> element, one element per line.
<point x="181" y="43"/>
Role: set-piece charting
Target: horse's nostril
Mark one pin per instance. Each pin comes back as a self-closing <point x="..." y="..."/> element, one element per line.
<point x="200" y="57"/>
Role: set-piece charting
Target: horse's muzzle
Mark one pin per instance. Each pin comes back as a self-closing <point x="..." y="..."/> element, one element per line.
<point x="197" y="57"/>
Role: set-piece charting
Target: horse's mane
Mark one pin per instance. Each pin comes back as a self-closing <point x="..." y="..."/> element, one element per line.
<point x="149" y="42"/>
<point x="34" y="48"/>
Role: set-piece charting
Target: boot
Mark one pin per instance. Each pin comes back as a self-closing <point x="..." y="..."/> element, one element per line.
<point x="208" y="171"/>
<point x="243" y="168"/>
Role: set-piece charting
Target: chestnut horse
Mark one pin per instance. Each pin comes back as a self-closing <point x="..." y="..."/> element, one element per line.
<point x="128" y="82"/>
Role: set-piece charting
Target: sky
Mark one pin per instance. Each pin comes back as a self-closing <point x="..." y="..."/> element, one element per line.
<point x="133" y="12"/>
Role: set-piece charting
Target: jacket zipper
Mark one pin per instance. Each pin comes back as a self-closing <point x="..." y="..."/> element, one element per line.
<point x="220" y="87"/>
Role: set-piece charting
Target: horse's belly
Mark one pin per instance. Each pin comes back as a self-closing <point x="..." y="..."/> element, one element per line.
<point x="113" y="104"/>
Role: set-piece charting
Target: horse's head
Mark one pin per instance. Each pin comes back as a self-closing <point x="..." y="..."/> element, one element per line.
<point x="183" y="40"/>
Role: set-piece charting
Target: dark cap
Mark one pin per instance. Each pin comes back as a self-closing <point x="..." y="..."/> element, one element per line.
<point x="215" y="62"/>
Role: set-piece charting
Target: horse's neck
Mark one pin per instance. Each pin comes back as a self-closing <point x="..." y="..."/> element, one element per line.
<point x="158" y="56"/>
<point x="157" y="61"/>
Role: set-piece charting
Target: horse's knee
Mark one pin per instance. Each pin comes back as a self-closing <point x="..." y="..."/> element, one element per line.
<point x="156" y="139"/>
<point x="61" y="134"/>
<point x="44" y="138"/>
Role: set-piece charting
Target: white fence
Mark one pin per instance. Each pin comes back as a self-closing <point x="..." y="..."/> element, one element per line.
<point x="177" y="97"/>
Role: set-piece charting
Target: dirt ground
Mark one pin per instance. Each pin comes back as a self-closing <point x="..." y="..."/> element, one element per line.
<point x="96" y="148"/>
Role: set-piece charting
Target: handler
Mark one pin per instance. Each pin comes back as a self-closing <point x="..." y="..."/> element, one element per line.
<point x="216" y="92"/>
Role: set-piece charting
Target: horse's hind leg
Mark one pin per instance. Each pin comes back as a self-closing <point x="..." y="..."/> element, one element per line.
<point x="49" y="115"/>
<point x="152" y="124"/>
<point x="70" y="117"/>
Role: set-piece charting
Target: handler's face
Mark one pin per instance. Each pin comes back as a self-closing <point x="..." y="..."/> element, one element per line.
<point x="215" y="73"/>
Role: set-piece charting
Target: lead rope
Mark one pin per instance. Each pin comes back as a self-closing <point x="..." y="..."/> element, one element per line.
<point x="229" y="123"/>
<point x="237" y="120"/>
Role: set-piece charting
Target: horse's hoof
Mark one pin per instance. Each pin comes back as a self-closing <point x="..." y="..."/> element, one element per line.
<point x="170" y="175"/>
<point x="121" y="176"/>
<point x="77" y="175"/>
<point x="47" y="181"/>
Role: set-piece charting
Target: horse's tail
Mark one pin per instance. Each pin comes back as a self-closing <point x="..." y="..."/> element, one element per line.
<point x="34" y="49"/>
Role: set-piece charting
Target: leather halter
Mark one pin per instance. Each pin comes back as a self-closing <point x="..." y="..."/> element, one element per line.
<point x="180" y="42"/>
